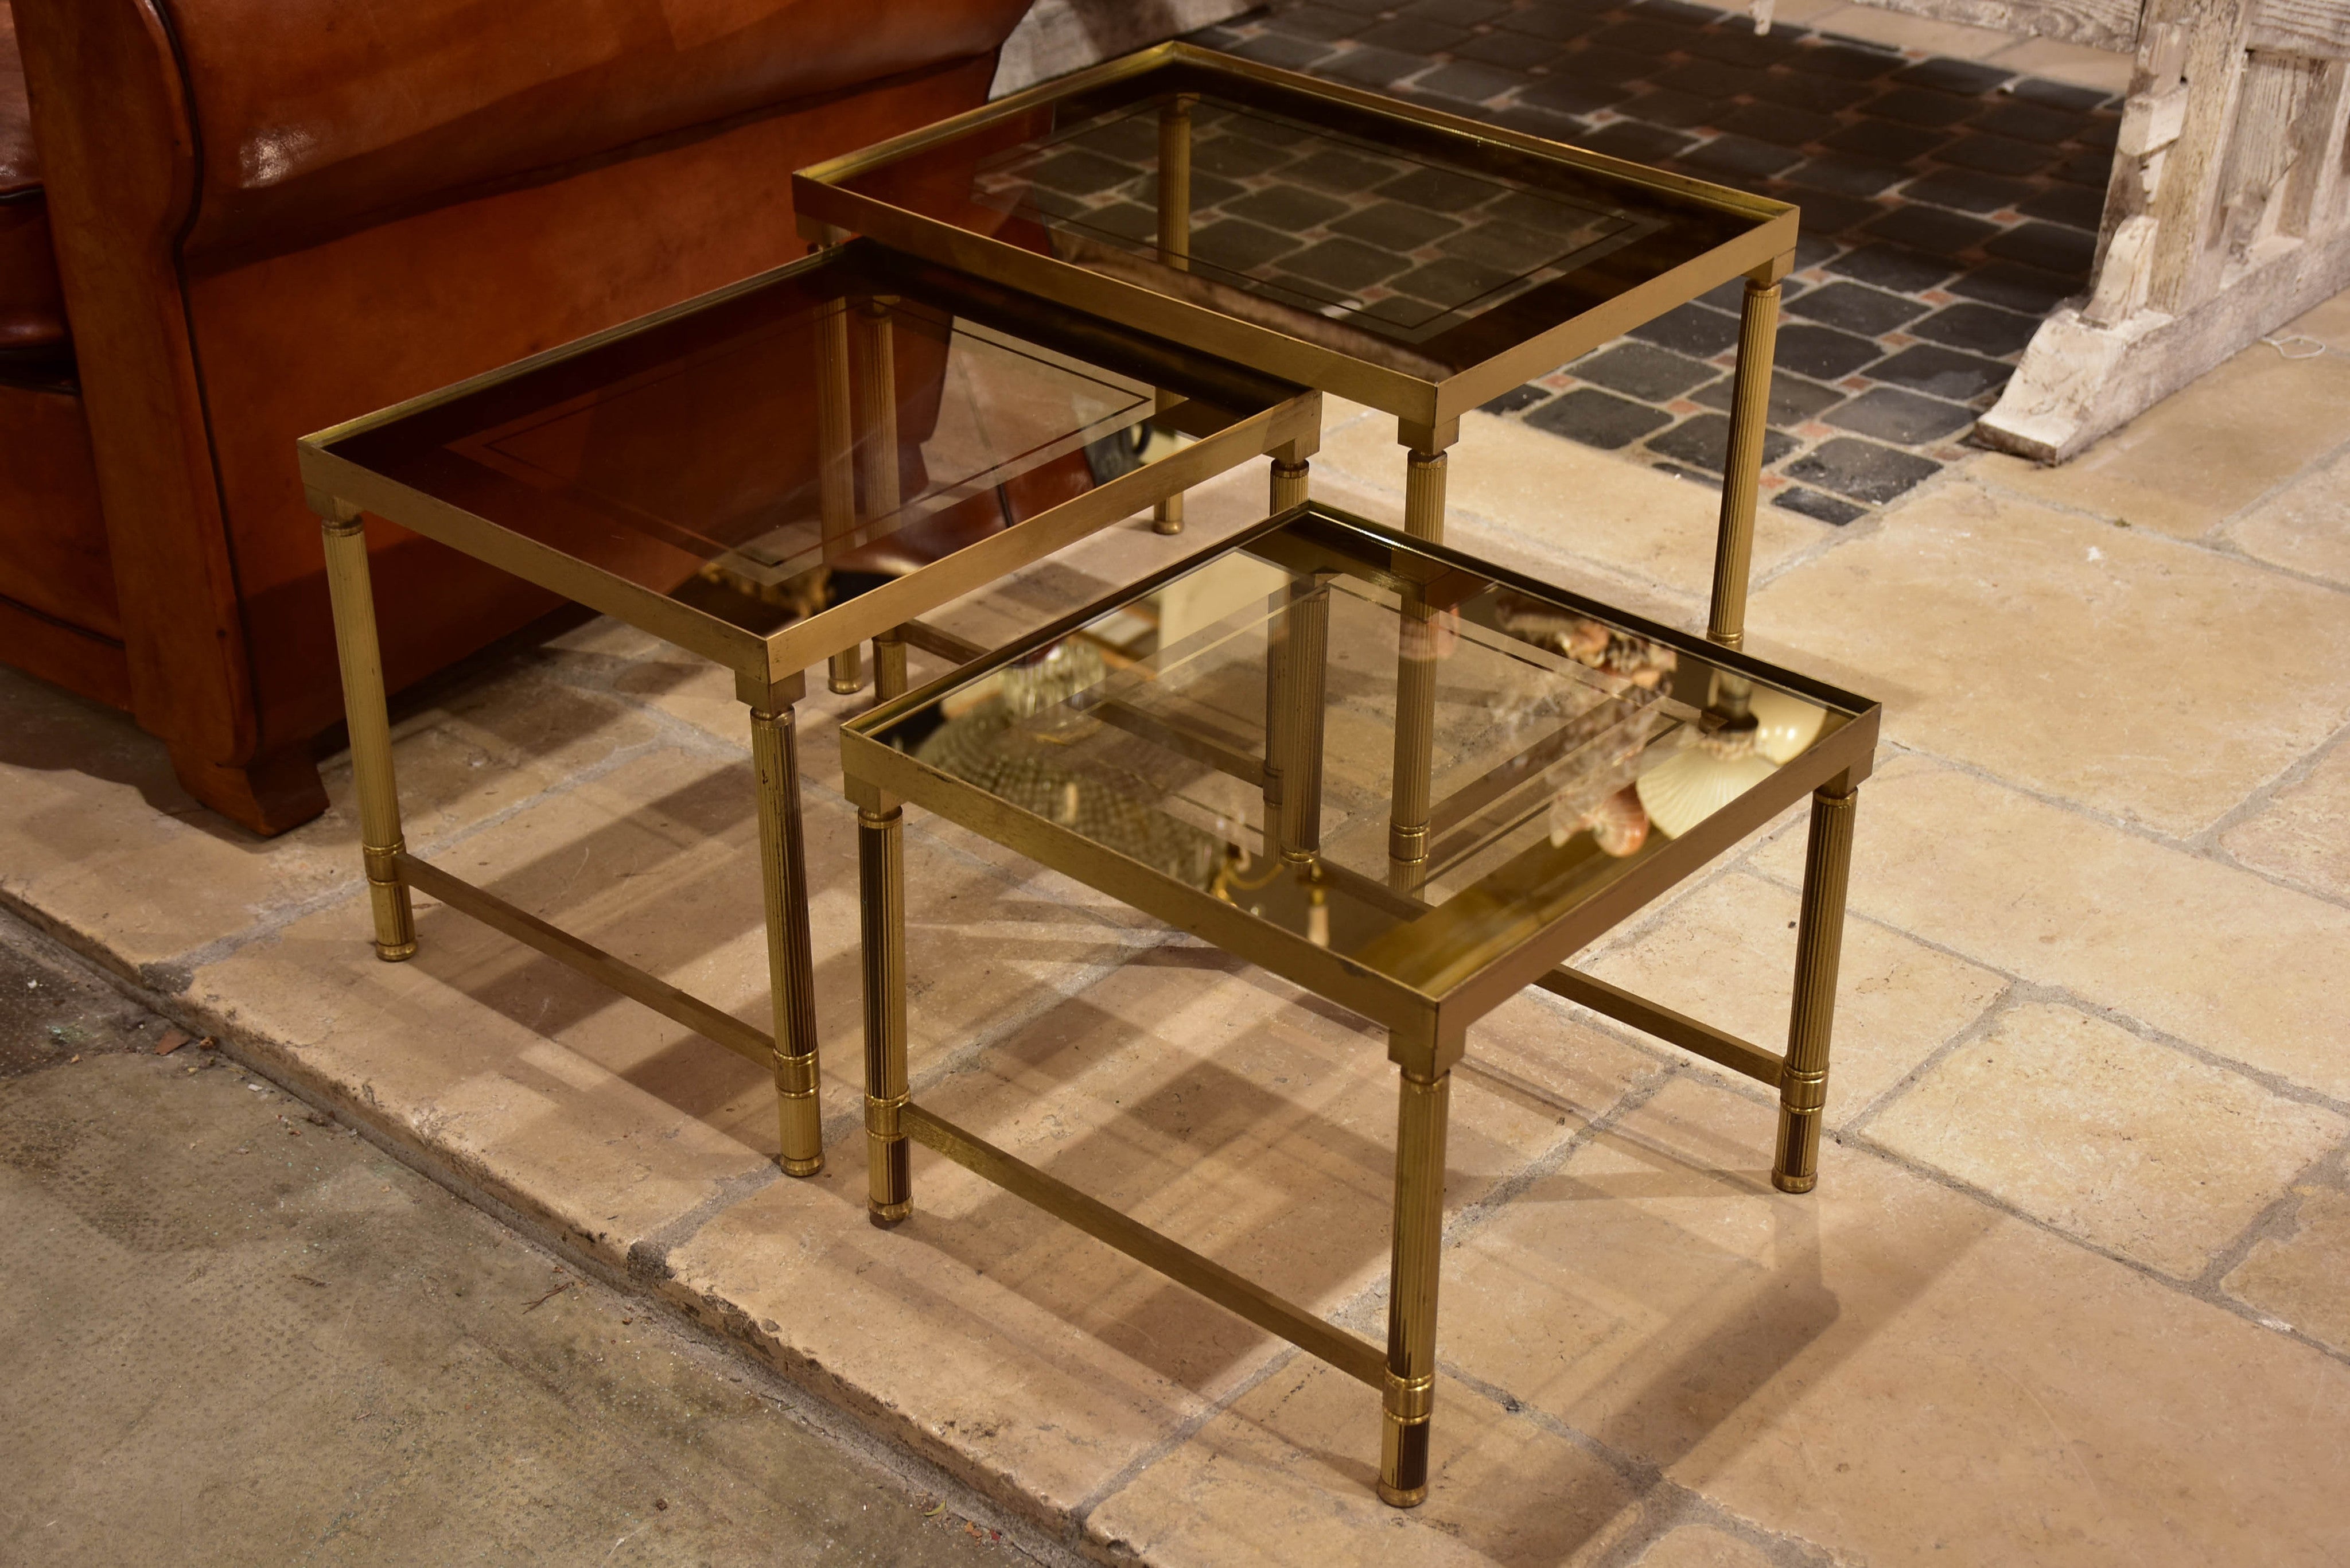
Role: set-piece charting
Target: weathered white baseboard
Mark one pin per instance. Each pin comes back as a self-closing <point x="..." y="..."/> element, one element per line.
<point x="2079" y="379"/>
<point x="1058" y="37"/>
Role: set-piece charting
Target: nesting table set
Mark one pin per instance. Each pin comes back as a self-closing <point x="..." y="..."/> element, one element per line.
<point x="1403" y="778"/>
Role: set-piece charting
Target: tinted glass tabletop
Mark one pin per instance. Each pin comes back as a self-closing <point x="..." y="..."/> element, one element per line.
<point x="1367" y="228"/>
<point x="786" y="447"/>
<point x="1380" y="750"/>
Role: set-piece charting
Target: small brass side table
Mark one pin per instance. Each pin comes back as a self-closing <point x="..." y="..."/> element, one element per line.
<point x="1378" y="250"/>
<point x="767" y="476"/>
<point x="1185" y="746"/>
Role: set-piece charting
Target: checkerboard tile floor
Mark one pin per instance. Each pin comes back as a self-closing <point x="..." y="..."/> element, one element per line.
<point x="1947" y="206"/>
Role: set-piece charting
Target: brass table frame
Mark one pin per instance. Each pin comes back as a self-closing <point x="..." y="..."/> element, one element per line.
<point x="768" y="668"/>
<point x="1427" y="1023"/>
<point x="1428" y="412"/>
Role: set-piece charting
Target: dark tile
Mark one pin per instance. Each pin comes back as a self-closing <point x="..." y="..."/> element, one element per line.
<point x="1219" y="37"/>
<point x="1567" y="93"/>
<point x="1793" y="399"/>
<point x="1919" y="105"/>
<point x="1237" y="156"/>
<point x="1332" y="170"/>
<point x="1460" y="13"/>
<point x="1692" y="329"/>
<point x="2076" y="206"/>
<point x="1885" y="141"/>
<point x="1362" y="7"/>
<point x="1503" y="244"/>
<point x="1856" y="307"/>
<point x="1702" y="441"/>
<point x="1826" y="213"/>
<point x="1823" y="353"/>
<point x="1776" y="124"/>
<point x="2101" y="133"/>
<point x="1642" y="370"/>
<point x="1238" y="246"/>
<point x="1953" y="76"/>
<point x="1596" y="65"/>
<point x="1392" y="225"/>
<point x="1371" y="67"/>
<point x="1291" y="208"/>
<point x="1673" y="10"/>
<point x="1519" y="51"/>
<point x="1438" y="189"/>
<point x="1890" y="266"/>
<point x="1412" y="36"/>
<point x="1207" y="190"/>
<point x="1680" y="109"/>
<point x="1709" y="78"/>
<point x="1321" y="23"/>
<point x="1931" y="230"/>
<point x="1889" y="413"/>
<point x="1451" y="281"/>
<point x="1280" y="50"/>
<point x="1597" y="419"/>
<point x="1848" y="176"/>
<point x="1998" y="155"/>
<point x="1640" y="143"/>
<point x="1862" y="470"/>
<point x="1469" y="82"/>
<point x="1819" y="508"/>
<point x="2025" y="288"/>
<point x="2031" y="123"/>
<point x="1849" y="61"/>
<point x="1347" y="264"/>
<point x="1516" y="398"/>
<point x="2067" y="251"/>
<point x="1554" y="23"/>
<point x="1812" y="251"/>
<point x="1942" y="372"/>
<point x="1641" y="36"/>
<point x="1127" y="220"/>
<point x="1968" y="190"/>
<point x="1736" y="42"/>
<point x="1078" y="172"/>
<point x="1537" y="121"/>
<point x="2095" y="169"/>
<point x="1742" y="155"/>
<point x="1134" y="138"/>
<point x="1821" y="95"/>
<point x="1985" y="328"/>
<point x="2058" y="95"/>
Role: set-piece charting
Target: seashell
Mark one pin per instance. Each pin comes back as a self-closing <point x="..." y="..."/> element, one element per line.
<point x="1785" y="725"/>
<point x="1691" y="784"/>
<point x="1619" y="825"/>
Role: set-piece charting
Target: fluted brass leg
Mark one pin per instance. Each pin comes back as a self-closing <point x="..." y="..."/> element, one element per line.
<point x="1750" y="402"/>
<point x="791" y="968"/>
<point x="1304" y="668"/>
<point x="1819" y="941"/>
<point x="1290" y="483"/>
<point x="1416" y="1264"/>
<point x="1423" y="494"/>
<point x="881" y="885"/>
<point x="1414" y="730"/>
<point x="353" y="596"/>
<point x="875" y="441"/>
<point x="889" y="665"/>
<point x="835" y="447"/>
<point x="1174" y="246"/>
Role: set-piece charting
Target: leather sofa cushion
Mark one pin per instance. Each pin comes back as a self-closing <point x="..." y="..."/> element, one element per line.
<point x="32" y="311"/>
<point x="317" y="116"/>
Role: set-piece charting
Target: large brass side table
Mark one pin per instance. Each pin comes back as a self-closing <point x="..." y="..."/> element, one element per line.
<point x="767" y="476"/>
<point x="1218" y="746"/>
<point x="1381" y="251"/>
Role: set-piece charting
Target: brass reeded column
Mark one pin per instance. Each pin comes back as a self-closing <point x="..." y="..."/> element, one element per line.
<point x="835" y="457"/>
<point x="1304" y="662"/>
<point x="791" y="968"/>
<point x="1410" y="1385"/>
<point x="1742" y="474"/>
<point x="1290" y="487"/>
<point x="352" y="592"/>
<point x="1415" y="718"/>
<point x="876" y="385"/>
<point x="881" y="875"/>
<point x="889" y="664"/>
<point x="1819" y="942"/>
<point x="1290" y="480"/>
<point x="1423" y="494"/>
<point x="1174" y="246"/>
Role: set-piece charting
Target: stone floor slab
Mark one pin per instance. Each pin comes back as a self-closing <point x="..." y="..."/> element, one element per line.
<point x="2298" y="1278"/>
<point x="2302" y="832"/>
<point x="2306" y="526"/>
<point x="2133" y="1146"/>
<point x="1994" y="631"/>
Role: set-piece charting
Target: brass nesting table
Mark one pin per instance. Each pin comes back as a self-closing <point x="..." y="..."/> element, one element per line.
<point x="767" y="476"/>
<point x="1229" y="745"/>
<point x="1406" y="259"/>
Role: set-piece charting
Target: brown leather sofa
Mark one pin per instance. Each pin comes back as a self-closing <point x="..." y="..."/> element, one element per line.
<point x="224" y="224"/>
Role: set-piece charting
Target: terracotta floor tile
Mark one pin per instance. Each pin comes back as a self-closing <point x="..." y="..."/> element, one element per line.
<point x="2302" y="834"/>
<point x="2306" y="526"/>
<point x="1888" y="1368"/>
<point x="1993" y="630"/>
<point x="2202" y="454"/>
<point x="2203" y="951"/>
<point x="2298" y="1278"/>
<point x="1726" y="954"/>
<point x="2133" y="1146"/>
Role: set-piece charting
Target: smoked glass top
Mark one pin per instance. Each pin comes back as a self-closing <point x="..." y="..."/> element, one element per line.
<point x="1372" y="233"/>
<point x="1380" y="750"/>
<point x="781" y="450"/>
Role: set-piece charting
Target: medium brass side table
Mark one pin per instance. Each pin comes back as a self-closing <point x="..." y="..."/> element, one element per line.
<point x="1206" y="747"/>
<point x="767" y="476"/>
<point x="1382" y="250"/>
